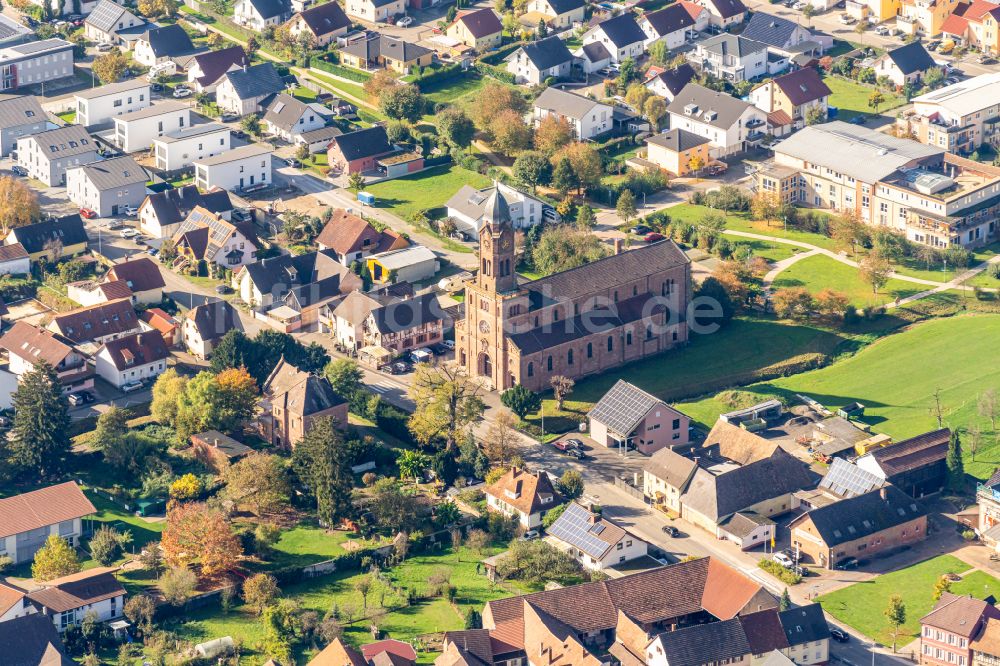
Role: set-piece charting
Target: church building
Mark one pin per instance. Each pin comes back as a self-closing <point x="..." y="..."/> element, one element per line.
<point x="579" y="322"/>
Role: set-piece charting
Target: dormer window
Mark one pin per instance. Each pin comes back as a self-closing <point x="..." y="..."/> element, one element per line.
<point x="511" y="493"/>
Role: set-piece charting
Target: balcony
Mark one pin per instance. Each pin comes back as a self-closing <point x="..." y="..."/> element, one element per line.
<point x="754" y="122"/>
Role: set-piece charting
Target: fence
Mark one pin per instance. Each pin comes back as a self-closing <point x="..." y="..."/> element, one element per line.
<point x="622" y="484"/>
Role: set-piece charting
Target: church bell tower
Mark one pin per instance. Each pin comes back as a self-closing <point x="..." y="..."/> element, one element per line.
<point x="496" y="246"/>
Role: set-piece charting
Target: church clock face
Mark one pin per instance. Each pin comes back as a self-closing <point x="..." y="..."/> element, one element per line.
<point x="505" y="243"/>
<point x="484" y="326"/>
<point x="486" y="241"/>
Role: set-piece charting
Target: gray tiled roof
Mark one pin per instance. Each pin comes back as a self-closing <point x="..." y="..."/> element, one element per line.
<point x="727" y="44"/>
<point x="117" y="172"/>
<point x="325" y="18"/>
<point x="804" y="624"/>
<point x="705" y="643"/>
<point x="769" y="29"/>
<point x="670" y="19"/>
<point x="727" y="109"/>
<point x="912" y="57"/>
<point x="547" y="53"/>
<point x="169" y="40"/>
<point x="257" y="81"/>
<point x="18" y="110"/>
<point x="862" y="516"/>
<point x="65" y="141"/>
<point x="622" y="30"/>
<point x="284" y="111"/>
<point x="623" y="407"/>
<point x="566" y="103"/>
<point x="114" y="89"/>
<point x="677" y="140"/>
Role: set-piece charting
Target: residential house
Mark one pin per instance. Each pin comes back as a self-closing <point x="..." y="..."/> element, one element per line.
<point x="107" y="187"/>
<point x="627" y="417"/>
<point x="288" y="118"/>
<point x="587" y="117"/>
<point x="293" y="400"/>
<point x="26" y="345"/>
<point x="845" y="479"/>
<point x="155" y="319"/>
<point x="375" y="11"/>
<point x="678" y="151"/>
<point x="926" y="17"/>
<point x="245" y="91"/>
<point x="957" y="118"/>
<point x="28" y="519"/>
<point x="801" y="96"/>
<point x="973" y="24"/>
<point x="97" y="324"/>
<point x="389" y="652"/>
<point x="988" y="500"/>
<point x="731" y="125"/>
<point x="41" y="240"/>
<point x="724" y="13"/>
<point x="386" y="51"/>
<point x="256" y="15"/>
<point x="14" y="32"/>
<point x="347" y="319"/>
<point x="97" y="106"/>
<point x="535" y="62"/>
<point x="593" y="57"/>
<point x="136" y="131"/>
<point x="668" y="83"/>
<point x="748" y="530"/>
<point x="479" y="29"/>
<point x="352" y="238"/>
<point x="14" y="260"/>
<point x="205" y="236"/>
<point x="620" y="36"/>
<point x="239" y="169"/>
<point x="402" y="326"/>
<point x="559" y="13"/>
<point x="467" y="208"/>
<point x="525" y="495"/>
<point x="181" y="148"/>
<point x="665" y="477"/>
<point x="323" y="23"/>
<point x="701" y="645"/>
<point x="92" y="292"/>
<point x="48" y="154"/>
<point x="68" y="599"/>
<point x="357" y="152"/>
<point x="916" y="465"/>
<point x="671" y="25"/>
<point x="339" y="653"/>
<point x="158" y="45"/>
<point x="20" y="116"/>
<point x="732" y="57"/>
<point x="134" y="358"/>
<point x="593" y="540"/>
<point x="947" y="632"/>
<point x="108" y="20"/>
<point x="781" y="34"/>
<point x="162" y="213"/>
<point x="143" y="277"/>
<point x="807" y="633"/>
<point x="409" y="264"/>
<point x="875" y="523"/>
<point x="206" y="70"/>
<point x="986" y="645"/>
<point x="35" y="63"/>
<point x="906" y="64"/>
<point x="318" y="140"/>
<point x="204" y="325"/>
<point x="217" y="450"/>
<point x="32" y="640"/>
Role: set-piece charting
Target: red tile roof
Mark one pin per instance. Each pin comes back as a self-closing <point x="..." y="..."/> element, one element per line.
<point x="140" y="274"/>
<point x="43" y="507"/>
<point x="36" y="344"/>
<point x="78" y="590"/>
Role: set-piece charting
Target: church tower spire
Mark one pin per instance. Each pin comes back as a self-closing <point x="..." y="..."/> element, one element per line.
<point x="496" y="245"/>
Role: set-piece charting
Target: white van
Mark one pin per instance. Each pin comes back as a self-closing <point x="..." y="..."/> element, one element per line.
<point x="168" y="68"/>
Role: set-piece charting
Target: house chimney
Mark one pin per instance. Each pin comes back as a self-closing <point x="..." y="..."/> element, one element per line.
<point x="215" y="442"/>
<point x="883" y="493"/>
<point x="618" y="245"/>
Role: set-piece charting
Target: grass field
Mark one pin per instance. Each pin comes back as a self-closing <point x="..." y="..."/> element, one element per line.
<point x="708" y="364"/>
<point x="67" y="116"/>
<point x="742" y="222"/>
<point x="453" y="89"/>
<point x="851" y="98"/>
<point x="862" y="605"/>
<point x="424" y="191"/>
<point x="896" y="377"/>
<point x="820" y="272"/>
<point x="337" y="85"/>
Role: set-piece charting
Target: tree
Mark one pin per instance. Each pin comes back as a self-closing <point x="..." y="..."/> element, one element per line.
<point x="989" y="407"/>
<point x="563" y="178"/>
<point x="626" y="73"/>
<point x="393" y="509"/>
<point x="786" y="601"/>
<point x="322" y="464"/>
<point x="251" y="124"/>
<point x="655" y="109"/>
<point x="216" y="402"/>
<point x="876" y="99"/>
<point x="382" y="81"/>
<point x="447" y="401"/>
<point x="585" y="220"/>
<point x="553" y="132"/>
<point x="510" y="133"/>
<point x="848" y="232"/>
<point x="412" y="464"/>
<point x="216" y="42"/>
<point x="636" y="96"/>
<point x="54" y="560"/>
<point x="199" y="533"/>
<point x="933" y="78"/>
<point x="626" y="206"/>
<point x="258" y="481"/>
<point x="712" y="289"/>
<point x="695" y="163"/>
<point x="187" y="487"/>
<point x="942" y="585"/>
<point x="875" y="270"/>
<point x="110" y="67"/>
<point x="561" y="248"/>
<point x="18" y="205"/>
<point x="586" y="164"/>
<point x="830" y="303"/>
<point x="792" y="302"/>
<point x="532" y="169"/>
<point x="344" y="376"/>
<point x="895" y="613"/>
<point x="140" y="610"/>
<point x="815" y="115"/>
<point x="562" y="386"/>
<point x="521" y="400"/>
<point x="765" y="206"/>
<point x="260" y="591"/>
<point x="356" y="182"/>
<point x="501" y="440"/>
<point x="456" y="127"/>
<point x="176" y="584"/>
<point x="402" y="103"/>
<point x="956" y="468"/>
<point x="39" y="439"/>
<point x="571" y="484"/>
<point x="493" y="99"/>
<point x="106" y="543"/>
<point x="536" y="562"/>
<point x="808" y="12"/>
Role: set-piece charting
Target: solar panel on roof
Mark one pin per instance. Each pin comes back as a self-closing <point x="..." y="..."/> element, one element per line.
<point x="573" y="527"/>
<point x="848" y="480"/>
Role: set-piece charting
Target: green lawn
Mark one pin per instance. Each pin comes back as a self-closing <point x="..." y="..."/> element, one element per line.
<point x="114" y="515"/>
<point x="851" y="98"/>
<point x="708" y="364"/>
<point x="742" y="222"/>
<point x="821" y="272"/>
<point x="769" y="250"/>
<point x="343" y="87"/>
<point x="307" y="544"/>
<point x="453" y="89"/>
<point x="424" y="191"/>
<point x="895" y="378"/>
<point x="304" y="94"/>
<point x="862" y="605"/>
<point x="67" y="116"/>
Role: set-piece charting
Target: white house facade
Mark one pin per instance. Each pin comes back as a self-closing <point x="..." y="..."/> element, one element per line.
<point x="239" y="169"/>
<point x="135" y="131"/>
<point x="99" y="105"/>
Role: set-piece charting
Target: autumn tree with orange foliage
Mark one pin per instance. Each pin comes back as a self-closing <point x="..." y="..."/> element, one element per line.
<point x="18" y="205"/>
<point x="201" y="535"/>
<point x="553" y="132"/>
<point x="237" y="394"/>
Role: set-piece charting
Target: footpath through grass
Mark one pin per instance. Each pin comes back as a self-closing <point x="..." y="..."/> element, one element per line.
<point x="742" y="222"/>
<point x="862" y="605"/>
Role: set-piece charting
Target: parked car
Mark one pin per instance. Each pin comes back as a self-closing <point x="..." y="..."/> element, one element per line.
<point x="19" y="170"/>
<point x="670" y="530"/>
<point x="717" y="168"/>
<point x="131" y="211"/>
<point x="238" y="134"/>
<point x="846" y="19"/>
<point x="156" y="87"/>
<point x="422" y="355"/>
<point x="75" y="399"/>
<point x="849" y="563"/>
<point x="401" y="368"/>
<point x="529" y="535"/>
<point x="223" y="289"/>
<point x="562" y="445"/>
<point x="640" y="230"/>
<point x="180" y="93"/>
<point x="574" y="443"/>
<point x="129" y="232"/>
<point x="857" y="120"/>
<point x="131" y="386"/>
<point x="986" y="60"/>
<point x="881" y="30"/>
<point x="783" y="559"/>
<point x="839" y="635"/>
<point x="405" y="22"/>
<point x="654" y="237"/>
<point x="104" y="47"/>
<point x="88" y="213"/>
<point x="293" y="162"/>
<point x="229" y="117"/>
<point x="448" y="344"/>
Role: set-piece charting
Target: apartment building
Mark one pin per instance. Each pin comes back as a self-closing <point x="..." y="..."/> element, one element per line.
<point x="587" y="117"/>
<point x="179" y="149"/>
<point x="35" y="63"/>
<point x="136" y="131"/>
<point x="99" y="105"/>
<point x="239" y="169"/>
<point x="48" y="154"/>
<point x="107" y="186"/>
<point x="20" y="115"/>
<point x="730" y="125"/>
<point x="957" y="118"/>
<point x="947" y="631"/>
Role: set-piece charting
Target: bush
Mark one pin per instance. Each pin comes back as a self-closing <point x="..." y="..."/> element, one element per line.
<point x="781" y="573"/>
<point x="344" y="72"/>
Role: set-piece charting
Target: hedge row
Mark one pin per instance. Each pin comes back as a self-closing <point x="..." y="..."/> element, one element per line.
<point x="492" y="71"/>
<point x="434" y="76"/>
<point x="344" y="72"/>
